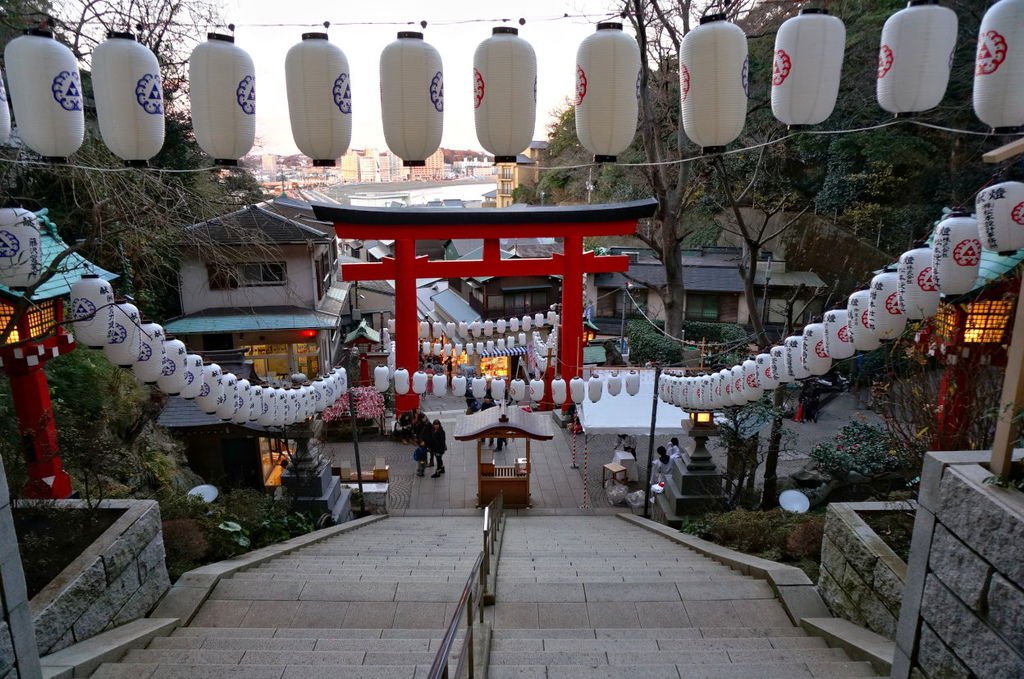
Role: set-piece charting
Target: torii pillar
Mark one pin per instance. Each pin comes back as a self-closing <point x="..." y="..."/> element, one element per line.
<point x="407" y="225"/>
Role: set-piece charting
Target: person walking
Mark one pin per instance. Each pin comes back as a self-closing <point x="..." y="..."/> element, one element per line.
<point x="438" y="446"/>
<point x="420" y="456"/>
<point x="423" y="431"/>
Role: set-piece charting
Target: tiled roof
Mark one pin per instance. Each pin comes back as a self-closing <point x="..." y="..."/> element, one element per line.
<point x="248" y="320"/>
<point x="70" y="270"/>
<point x="298" y="211"/>
<point x="695" y="278"/>
<point x="183" y="414"/>
<point x="453" y="307"/>
<point x="363" y="331"/>
<point x="790" y="279"/>
<point x="257" y="223"/>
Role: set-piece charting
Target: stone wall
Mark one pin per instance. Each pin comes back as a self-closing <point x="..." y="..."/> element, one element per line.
<point x="117" y="579"/>
<point x="861" y="578"/>
<point x="963" y="607"/>
<point x="19" y="657"/>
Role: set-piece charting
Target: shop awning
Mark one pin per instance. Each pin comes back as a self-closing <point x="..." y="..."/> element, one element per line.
<point x="514" y="351"/>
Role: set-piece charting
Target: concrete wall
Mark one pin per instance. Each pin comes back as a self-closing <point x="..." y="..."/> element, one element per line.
<point x="861" y="578"/>
<point x="19" y="656"/>
<point x="963" y="606"/>
<point x="117" y="579"/>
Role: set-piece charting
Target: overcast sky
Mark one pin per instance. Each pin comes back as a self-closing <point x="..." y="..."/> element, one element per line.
<point x="554" y="41"/>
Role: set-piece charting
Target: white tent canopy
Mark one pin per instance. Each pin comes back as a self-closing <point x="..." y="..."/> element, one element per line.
<point x="625" y="414"/>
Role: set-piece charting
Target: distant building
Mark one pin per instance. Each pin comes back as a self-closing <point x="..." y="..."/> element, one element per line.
<point x="433" y="170"/>
<point x="268" y="163"/>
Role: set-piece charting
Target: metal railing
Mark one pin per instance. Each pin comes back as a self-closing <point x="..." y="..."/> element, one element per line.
<point x="471" y="602"/>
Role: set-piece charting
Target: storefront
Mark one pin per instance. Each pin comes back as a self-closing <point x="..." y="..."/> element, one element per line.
<point x="501" y="362"/>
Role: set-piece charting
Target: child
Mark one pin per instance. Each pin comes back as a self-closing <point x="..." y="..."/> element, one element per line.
<point x="420" y="455"/>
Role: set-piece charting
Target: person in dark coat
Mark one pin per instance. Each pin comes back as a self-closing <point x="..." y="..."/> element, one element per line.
<point x="423" y="431"/>
<point x="438" y="446"/>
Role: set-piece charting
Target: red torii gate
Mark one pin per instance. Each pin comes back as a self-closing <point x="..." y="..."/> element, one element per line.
<point x="407" y="225"/>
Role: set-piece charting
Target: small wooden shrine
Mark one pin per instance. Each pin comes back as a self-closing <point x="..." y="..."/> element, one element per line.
<point x="513" y="480"/>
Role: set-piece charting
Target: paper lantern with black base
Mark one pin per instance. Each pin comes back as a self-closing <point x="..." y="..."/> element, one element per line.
<point x="713" y="83"/>
<point x="412" y="98"/>
<point x="915" y="57"/>
<point x="222" y="82"/>
<point x="607" y="91"/>
<point x="129" y="98"/>
<point x="807" y="64"/>
<point x="504" y="93"/>
<point x="319" y="88"/>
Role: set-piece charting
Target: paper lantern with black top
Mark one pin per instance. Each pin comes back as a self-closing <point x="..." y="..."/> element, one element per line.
<point x="211" y="390"/>
<point x="412" y="98"/>
<point x="222" y="82"/>
<point x="129" y="97"/>
<point x="863" y="333"/>
<point x="45" y="87"/>
<point x="607" y="91"/>
<point x="956" y="254"/>
<point x="713" y="83"/>
<point x="1000" y="210"/>
<point x="172" y="372"/>
<point x="807" y="64"/>
<point x="838" y="341"/>
<point x="884" y="312"/>
<point x="505" y="93"/>
<point x="21" y="248"/>
<point x="92" y="310"/>
<point x="149" y="362"/>
<point x="918" y="293"/>
<point x="915" y="57"/>
<point x="193" y="377"/>
<point x="319" y="88"/>
<point x="815" y="354"/>
<point x="999" y="68"/>
<point x="124" y="344"/>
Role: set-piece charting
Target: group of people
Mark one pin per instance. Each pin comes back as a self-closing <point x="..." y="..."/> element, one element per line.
<point x="429" y="437"/>
<point x="662" y="467"/>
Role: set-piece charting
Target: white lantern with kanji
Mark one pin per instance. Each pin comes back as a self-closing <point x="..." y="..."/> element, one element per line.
<point x="21" y="248"/>
<point x="479" y="387"/>
<point x="999" y="67"/>
<point x="172" y="372"/>
<point x="838" y="342"/>
<point x="752" y="379"/>
<point x="129" y="98"/>
<point x="864" y="336"/>
<point x="123" y="346"/>
<point x="766" y="372"/>
<point x="211" y="390"/>
<point x="739" y="393"/>
<point x="607" y="91"/>
<point x="193" y="377"/>
<point x="918" y="294"/>
<point x="439" y="385"/>
<point x="381" y="378"/>
<point x="614" y="383"/>
<point x="517" y="390"/>
<point x="559" y="391"/>
<point x="577" y="390"/>
<point x="226" y="402"/>
<point x="808" y="61"/>
<point x="319" y="88"/>
<point x="243" y="400"/>
<point x="815" y="355"/>
<point x="956" y="254"/>
<point x="222" y="82"/>
<point x="795" y="357"/>
<point x="632" y="383"/>
<point x="713" y="82"/>
<point x="92" y="310"/>
<point x="149" y="361"/>
<point x="884" y="313"/>
<point x="780" y="368"/>
<point x="915" y="57"/>
<point x="46" y="89"/>
<point x="536" y="390"/>
<point x="504" y="93"/>
<point x="1000" y="210"/>
<point x="412" y="98"/>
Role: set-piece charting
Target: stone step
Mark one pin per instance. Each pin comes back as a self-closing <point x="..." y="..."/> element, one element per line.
<point x="367" y="576"/>
<point x="647" y="633"/>
<point x="335" y="659"/>
<point x="632" y="658"/>
<point x="652" y="643"/>
<point x="625" y="577"/>
<point x="309" y="632"/>
<point x="297" y="643"/>
<point x="281" y="671"/>
<point x="314" y="590"/>
<point x="583" y="591"/>
<point x="787" y="670"/>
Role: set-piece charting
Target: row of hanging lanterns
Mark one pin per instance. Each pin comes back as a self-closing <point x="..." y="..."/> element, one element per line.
<point x="910" y="291"/>
<point x="487" y="328"/>
<point x="164" y="362"/>
<point x="915" y="60"/>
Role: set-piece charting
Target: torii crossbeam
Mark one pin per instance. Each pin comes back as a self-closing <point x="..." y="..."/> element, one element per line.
<point x="407" y="225"/>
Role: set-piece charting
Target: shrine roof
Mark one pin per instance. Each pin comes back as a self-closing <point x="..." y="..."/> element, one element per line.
<point x="520" y="424"/>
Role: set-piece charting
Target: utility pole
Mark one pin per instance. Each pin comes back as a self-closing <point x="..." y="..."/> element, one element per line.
<point x="650" y="443"/>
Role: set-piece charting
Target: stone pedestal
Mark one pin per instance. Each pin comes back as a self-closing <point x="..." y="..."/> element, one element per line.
<point x="694" y="486"/>
<point x="319" y="492"/>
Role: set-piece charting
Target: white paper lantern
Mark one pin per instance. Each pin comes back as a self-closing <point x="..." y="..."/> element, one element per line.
<point x="92" y="310"/>
<point x="607" y="91"/>
<point x="476" y="328"/>
<point x="193" y="377"/>
<point x="21" y="248"/>
<point x="425" y="348"/>
<point x="319" y="98"/>
<point x="446" y="351"/>
<point x="211" y="390"/>
<point x="424" y="330"/>
<point x="526" y="324"/>
<point x="884" y="313"/>
<point x="838" y="340"/>
<point x="419" y="382"/>
<point x="595" y="386"/>
<point x="536" y="390"/>
<point x="5" y="113"/>
<point x="632" y="383"/>
<point x="956" y="254"/>
<point x="124" y="344"/>
<point x="381" y="378"/>
<point x="149" y="361"/>
<point x="918" y="294"/>
<point x="172" y="372"/>
<point x="725" y="377"/>
<point x="766" y="376"/>
<point x="614" y="384"/>
<point x="319" y="394"/>
<point x="780" y="368"/>
<point x="459" y="385"/>
<point x="46" y="89"/>
<point x="129" y="98"/>
<point x="559" y="391"/>
<point x="505" y="93"/>
<point x="401" y="378"/>
<point x="713" y="86"/>
<point x="498" y="389"/>
<point x="437" y="346"/>
<point x="470" y="348"/>
<point x="243" y="402"/>
<point x="794" y="357"/>
<point x="1000" y="210"/>
<point x="499" y="345"/>
<point x="269" y="408"/>
<point x="513" y="325"/>
<point x="752" y="379"/>
<point x="807" y="64"/>
<point x="915" y="57"/>
<point x="222" y="83"/>
<point x="740" y="395"/>
<point x="577" y="390"/>
<point x="999" y="67"/>
<point x="538" y="320"/>
<point x="437" y="329"/>
<point x="488" y="328"/>
<point x="552" y="319"/>
<point x="480" y="348"/>
<point x="522" y="339"/>
<point x="862" y="332"/>
<point x="440" y="385"/>
<point x="815" y="355"/>
<point x="707" y="398"/>
<point x="411" y="98"/>
<point x="226" y="402"/>
<point x="479" y="387"/>
<point x="517" y="390"/>
<point x="457" y="349"/>
<point x="500" y="326"/>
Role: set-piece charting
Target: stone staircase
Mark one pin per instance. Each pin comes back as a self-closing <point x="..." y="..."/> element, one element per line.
<point x="598" y="597"/>
<point x="577" y="597"/>
<point x="370" y="603"/>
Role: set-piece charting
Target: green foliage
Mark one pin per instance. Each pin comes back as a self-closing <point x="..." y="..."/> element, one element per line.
<point x="862" y="448"/>
<point x="647" y="343"/>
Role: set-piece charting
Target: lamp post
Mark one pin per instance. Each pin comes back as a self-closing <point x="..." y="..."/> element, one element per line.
<point x="650" y="443"/>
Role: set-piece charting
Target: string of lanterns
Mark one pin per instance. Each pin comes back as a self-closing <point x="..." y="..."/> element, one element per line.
<point x="915" y="60"/>
<point x="910" y="291"/>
